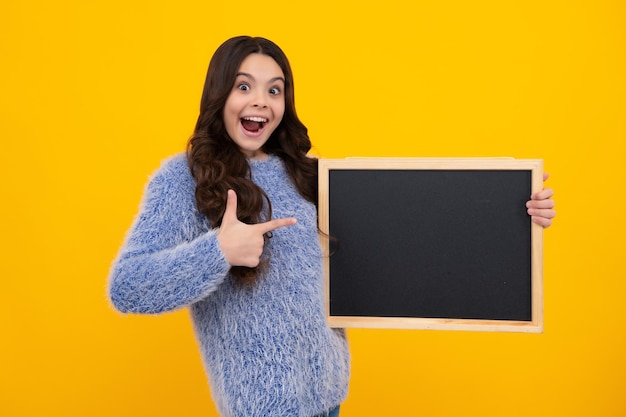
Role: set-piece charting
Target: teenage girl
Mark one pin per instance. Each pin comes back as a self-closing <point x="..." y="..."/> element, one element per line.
<point x="229" y="229"/>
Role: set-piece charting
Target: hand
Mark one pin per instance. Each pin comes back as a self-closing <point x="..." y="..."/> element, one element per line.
<point x="541" y="206"/>
<point x="241" y="243"/>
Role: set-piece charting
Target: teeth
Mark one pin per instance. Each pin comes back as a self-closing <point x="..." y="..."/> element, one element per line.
<point x="255" y="119"/>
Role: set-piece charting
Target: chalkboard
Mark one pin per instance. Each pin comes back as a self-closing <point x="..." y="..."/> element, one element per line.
<point x="431" y="243"/>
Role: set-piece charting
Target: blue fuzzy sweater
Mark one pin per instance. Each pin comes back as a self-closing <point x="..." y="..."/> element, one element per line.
<point x="267" y="348"/>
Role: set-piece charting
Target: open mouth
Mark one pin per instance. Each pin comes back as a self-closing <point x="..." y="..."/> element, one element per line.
<point x="253" y="124"/>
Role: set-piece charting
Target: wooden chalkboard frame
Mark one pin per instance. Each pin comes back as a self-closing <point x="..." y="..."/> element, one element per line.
<point x="534" y="166"/>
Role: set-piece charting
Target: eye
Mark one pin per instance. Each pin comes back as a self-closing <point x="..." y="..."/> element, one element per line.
<point x="274" y="91"/>
<point x="243" y="87"/>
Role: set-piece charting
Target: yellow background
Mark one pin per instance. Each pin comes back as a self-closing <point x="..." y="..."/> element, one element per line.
<point x="93" y="95"/>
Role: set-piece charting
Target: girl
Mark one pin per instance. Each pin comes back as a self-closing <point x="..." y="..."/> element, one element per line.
<point x="229" y="229"/>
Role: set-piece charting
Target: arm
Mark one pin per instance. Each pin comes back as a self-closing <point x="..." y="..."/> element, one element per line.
<point x="169" y="259"/>
<point x="541" y="206"/>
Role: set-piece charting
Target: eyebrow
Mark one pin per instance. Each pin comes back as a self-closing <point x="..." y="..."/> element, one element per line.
<point x="245" y="74"/>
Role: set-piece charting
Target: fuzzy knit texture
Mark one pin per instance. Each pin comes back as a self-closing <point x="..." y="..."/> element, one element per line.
<point x="267" y="348"/>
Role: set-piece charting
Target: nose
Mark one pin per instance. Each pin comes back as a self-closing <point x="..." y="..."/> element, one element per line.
<point x="259" y="100"/>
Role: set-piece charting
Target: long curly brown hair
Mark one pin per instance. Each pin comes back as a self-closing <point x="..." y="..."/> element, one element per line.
<point x="215" y="160"/>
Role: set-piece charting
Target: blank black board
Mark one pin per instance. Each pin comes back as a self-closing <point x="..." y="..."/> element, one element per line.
<point x="431" y="243"/>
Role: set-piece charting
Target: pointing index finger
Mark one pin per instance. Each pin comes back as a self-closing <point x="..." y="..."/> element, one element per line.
<point x="276" y="224"/>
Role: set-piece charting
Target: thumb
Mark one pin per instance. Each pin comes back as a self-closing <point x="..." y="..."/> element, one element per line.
<point x="230" y="213"/>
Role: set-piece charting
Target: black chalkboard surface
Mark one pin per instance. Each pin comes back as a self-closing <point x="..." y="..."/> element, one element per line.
<point x="431" y="243"/>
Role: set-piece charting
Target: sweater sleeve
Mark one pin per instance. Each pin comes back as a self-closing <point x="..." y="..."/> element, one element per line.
<point x="170" y="258"/>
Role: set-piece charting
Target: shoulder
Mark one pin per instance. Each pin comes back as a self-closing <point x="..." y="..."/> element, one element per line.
<point x="172" y="176"/>
<point x="169" y="198"/>
<point x="171" y="184"/>
<point x="173" y="169"/>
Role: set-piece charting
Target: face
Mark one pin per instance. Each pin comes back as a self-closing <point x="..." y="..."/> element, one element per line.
<point x="256" y="104"/>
